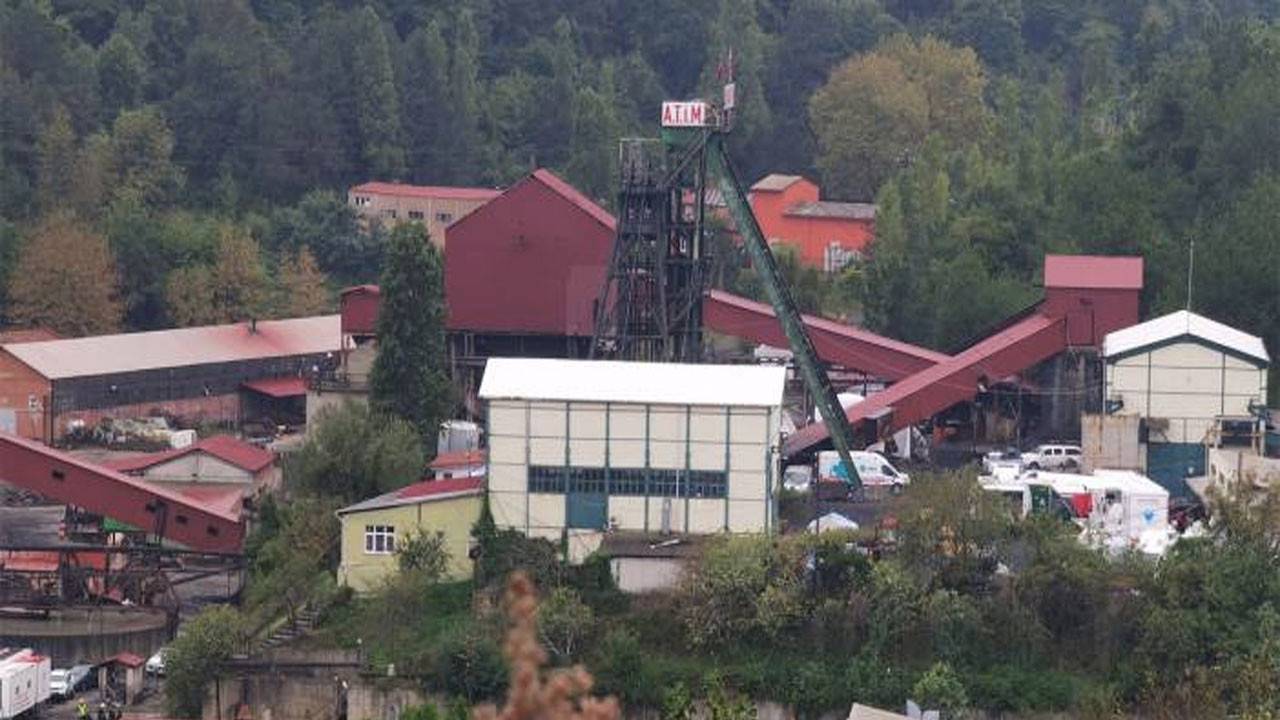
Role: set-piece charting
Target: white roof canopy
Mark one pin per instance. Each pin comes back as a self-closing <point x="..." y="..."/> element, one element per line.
<point x="632" y="382"/>
<point x="1182" y="324"/>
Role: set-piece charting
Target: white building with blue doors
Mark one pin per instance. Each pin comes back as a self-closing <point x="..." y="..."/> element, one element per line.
<point x="580" y="447"/>
<point x="1183" y="374"/>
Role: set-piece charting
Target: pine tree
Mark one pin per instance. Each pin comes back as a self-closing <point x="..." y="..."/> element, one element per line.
<point x="377" y="107"/>
<point x="303" y="288"/>
<point x="427" y="109"/>
<point x="463" y="140"/>
<point x="66" y="281"/>
<point x="120" y="76"/>
<point x="410" y="378"/>
<point x="56" y="153"/>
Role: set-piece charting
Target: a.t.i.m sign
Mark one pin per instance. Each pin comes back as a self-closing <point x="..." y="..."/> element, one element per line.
<point x="693" y="113"/>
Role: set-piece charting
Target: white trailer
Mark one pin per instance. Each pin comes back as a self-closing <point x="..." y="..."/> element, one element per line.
<point x="24" y="681"/>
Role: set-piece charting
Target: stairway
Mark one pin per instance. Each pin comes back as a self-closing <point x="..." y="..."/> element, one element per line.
<point x="302" y="624"/>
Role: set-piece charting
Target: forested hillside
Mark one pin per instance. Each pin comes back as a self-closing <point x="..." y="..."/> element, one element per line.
<point x="184" y="131"/>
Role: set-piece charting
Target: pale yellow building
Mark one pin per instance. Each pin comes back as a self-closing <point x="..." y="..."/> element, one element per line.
<point x="435" y="207"/>
<point x="371" y="530"/>
<point x="580" y="448"/>
<point x="1180" y="374"/>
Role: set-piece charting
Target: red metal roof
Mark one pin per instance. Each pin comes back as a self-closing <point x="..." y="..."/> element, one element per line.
<point x="458" y="458"/>
<point x="426" y="191"/>
<point x="570" y="193"/>
<point x="222" y="498"/>
<point x="531" y="262"/>
<point x="1093" y="272"/>
<point x="425" y="491"/>
<point x="127" y="659"/>
<point x="29" y="561"/>
<point x="934" y="389"/>
<point x="280" y="387"/>
<point x="243" y="455"/>
<point x="835" y="342"/>
<point x="130" y="352"/>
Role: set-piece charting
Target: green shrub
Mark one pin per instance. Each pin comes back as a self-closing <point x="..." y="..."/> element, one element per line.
<point x="468" y="663"/>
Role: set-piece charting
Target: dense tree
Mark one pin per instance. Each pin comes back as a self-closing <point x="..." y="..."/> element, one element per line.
<point x="874" y="113"/>
<point x="410" y="378"/>
<point x="56" y="174"/>
<point x="121" y="75"/>
<point x="377" y="107"/>
<point x="139" y="164"/>
<point x="233" y="289"/>
<point x="193" y="659"/>
<point x="426" y="104"/>
<point x="352" y="454"/>
<point x="66" y="281"/>
<point x="303" y="287"/>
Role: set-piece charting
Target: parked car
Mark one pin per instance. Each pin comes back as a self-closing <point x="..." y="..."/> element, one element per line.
<point x="155" y="663"/>
<point x="1005" y="463"/>
<point x="59" y="685"/>
<point x="797" y="478"/>
<point x="1053" y="457"/>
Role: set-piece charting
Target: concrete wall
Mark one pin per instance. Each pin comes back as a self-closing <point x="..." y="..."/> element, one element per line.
<point x="198" y="467"/>
<point x="364" y="571"/>
<point x="1228" y="464"/>
<point x="1183" y="386"/>
<point x="643" y="575"/>
<point x="1111" y="441"/>
<point x="75" y="635"/>
<point x="735" y="441"/>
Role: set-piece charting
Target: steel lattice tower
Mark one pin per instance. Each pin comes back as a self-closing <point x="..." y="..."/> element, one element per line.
<point x="651" y="306"/>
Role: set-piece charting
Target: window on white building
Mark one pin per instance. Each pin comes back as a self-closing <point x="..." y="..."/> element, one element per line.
<point x="389" y="213"/>
<point x="444" y="217"/>
<point x="379" y="539"/>
<point x="362" y="200"/>
<point x="415" y="214"/>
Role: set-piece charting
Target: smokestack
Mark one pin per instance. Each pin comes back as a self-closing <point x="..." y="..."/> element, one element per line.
<point x="253" y="326"/>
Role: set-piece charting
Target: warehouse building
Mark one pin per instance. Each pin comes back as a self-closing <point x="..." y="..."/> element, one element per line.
<point x="219" y="460"/>
<point x="522" y="274"/>
<point x="1183" y="375"/>
<point x="201" y="373"/>
<point x="577" y="447"/>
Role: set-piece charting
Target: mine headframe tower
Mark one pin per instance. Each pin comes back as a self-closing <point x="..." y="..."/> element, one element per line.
<point x="651" y="306"/>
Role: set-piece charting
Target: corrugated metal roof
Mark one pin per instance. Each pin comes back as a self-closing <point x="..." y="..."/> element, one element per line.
<point x="1183" y="324"/>
<point x="633" y="382"/>
<point x="457" y="459"/>
<point x="278" y="387"/>
<point x="570" y="193"/>
<point x="426" y="191"/>
<point x="775" y="182"/>
<point x="425" y="491"/>
<point x="833" y="210"/>
<point x="1093" y="272"/>
<point x="131" y="352"/>
<point x="243" y="455"/>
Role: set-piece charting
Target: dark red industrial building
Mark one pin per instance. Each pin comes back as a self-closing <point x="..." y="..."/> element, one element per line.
<point x="522" y="274"/>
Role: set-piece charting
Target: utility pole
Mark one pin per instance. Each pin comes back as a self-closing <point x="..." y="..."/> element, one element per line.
<point x="1191" y="270"/>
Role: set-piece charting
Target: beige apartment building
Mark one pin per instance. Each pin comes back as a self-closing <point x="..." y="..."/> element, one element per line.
<point x="437" y="207"/>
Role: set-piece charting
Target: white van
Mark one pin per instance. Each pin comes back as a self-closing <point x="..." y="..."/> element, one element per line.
<point x="874" y="470"/>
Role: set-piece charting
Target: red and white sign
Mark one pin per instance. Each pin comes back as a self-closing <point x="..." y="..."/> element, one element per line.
<point x="685" y="114"/>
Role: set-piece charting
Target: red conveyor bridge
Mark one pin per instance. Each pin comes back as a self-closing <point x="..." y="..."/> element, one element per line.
<point x="174" y="517"/>
<point x="926" y="382"/>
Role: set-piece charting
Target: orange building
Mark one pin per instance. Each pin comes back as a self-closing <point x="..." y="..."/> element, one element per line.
<point x="829" y="235"/>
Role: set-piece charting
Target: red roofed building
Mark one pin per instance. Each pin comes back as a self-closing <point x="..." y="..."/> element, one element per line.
<point x="458" y="464"/>
<point x="522" y="273"/>
<point x="220" y="461"/>
<point x="1096" y="294"/>
<point x="436" y="207"/>
<point x="197" y="373"/>
<point x="828" y="235"/>
<point x="373" y="530"/>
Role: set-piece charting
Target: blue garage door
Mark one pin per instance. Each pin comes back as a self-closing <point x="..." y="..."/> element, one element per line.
<point x="587" y="504"/>
<point x="1170" y="464"/>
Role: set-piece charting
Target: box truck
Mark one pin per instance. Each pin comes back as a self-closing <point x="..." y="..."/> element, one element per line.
<point x="24" y="681"/>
